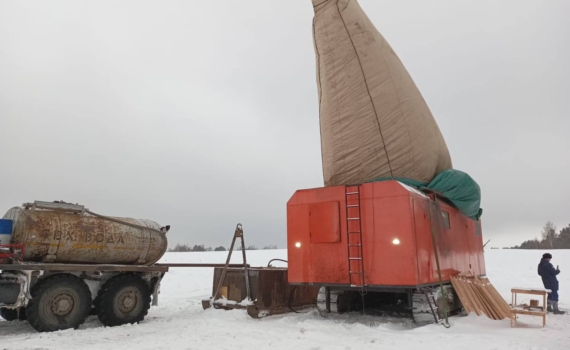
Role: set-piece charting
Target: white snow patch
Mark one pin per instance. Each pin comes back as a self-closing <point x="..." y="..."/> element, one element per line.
<point x="412" y="190"/>
<point x="223" y="301"/>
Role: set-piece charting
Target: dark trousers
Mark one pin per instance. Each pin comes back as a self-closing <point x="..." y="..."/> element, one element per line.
<point x="553" y="296"/>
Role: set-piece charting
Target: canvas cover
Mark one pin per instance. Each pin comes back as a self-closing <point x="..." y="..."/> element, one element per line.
<point x="374" y="121"/>
<point x="461" y="190"/>
<point x="458" y="187"/>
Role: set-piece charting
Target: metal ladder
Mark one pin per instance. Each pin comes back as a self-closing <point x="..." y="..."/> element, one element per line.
<point x="429" y="294"/>
<point x="432" y="305"/>
<point x="354" y="236"/>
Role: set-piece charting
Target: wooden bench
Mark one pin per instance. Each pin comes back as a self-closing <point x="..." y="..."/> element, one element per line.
<point x="527" y="309"/>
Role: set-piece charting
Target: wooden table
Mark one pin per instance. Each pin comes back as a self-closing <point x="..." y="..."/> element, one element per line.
<point x="539" y="311"/>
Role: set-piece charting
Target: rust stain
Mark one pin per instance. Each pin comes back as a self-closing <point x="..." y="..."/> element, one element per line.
<point x="80" y="238"/>
<point x="269" y="288"/>
<point x="123" y="248"/>
<point x="88" y="246"/>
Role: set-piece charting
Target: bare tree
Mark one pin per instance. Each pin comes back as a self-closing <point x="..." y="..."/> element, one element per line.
<point x="549" y="234"/>
<point x="181" y="248"/>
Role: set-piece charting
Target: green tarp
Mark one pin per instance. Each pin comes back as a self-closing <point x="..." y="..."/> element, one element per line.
<point x="458" y="187"/>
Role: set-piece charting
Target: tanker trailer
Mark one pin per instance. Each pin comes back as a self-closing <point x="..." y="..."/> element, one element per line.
<point x="64" y="262"/>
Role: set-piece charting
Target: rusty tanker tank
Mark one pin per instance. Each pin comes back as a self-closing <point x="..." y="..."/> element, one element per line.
<point x="66" y="233"/>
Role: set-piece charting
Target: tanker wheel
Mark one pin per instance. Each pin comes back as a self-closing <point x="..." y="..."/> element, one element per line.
<point x="123" y="299"/>
<point x="59" y="302"/>
<point x="12" y="314"/>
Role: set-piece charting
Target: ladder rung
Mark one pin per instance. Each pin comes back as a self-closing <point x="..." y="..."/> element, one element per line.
<point x="354" y="258"/>
<point x="355" y="245"/>
<point x="352" y="193"/>
<point x="353" y="219"/>
<point x="355" y="232"/>
<point x="353" y="206"/>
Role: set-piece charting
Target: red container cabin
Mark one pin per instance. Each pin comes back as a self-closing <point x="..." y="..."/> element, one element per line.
<point x="378" y="237"/>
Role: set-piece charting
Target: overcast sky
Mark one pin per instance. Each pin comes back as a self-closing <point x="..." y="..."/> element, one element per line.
<point x="203" y="114"/>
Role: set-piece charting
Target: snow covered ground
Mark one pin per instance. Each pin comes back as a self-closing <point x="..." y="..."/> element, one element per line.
<point x="180" y="323"/>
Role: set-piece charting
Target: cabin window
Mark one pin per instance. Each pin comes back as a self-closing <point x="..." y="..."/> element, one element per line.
<point x="446" y="222"/>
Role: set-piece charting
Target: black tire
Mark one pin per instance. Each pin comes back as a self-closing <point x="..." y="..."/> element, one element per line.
<point x="59" y="302"/>
<point x="12" y="314"/>
<point x="123" y="299"/>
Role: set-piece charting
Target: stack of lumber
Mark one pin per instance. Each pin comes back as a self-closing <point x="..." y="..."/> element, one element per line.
<point x="478" y="295"/>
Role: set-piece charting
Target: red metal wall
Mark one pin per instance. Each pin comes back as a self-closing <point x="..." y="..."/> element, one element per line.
<point x="318" y="246"/>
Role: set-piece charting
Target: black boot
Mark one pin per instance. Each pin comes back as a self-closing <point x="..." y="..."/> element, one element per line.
<point x="549" y="307"/>
<point x="557" y="311"/>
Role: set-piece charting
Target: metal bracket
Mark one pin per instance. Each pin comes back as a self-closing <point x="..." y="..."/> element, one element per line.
<point x="237" y="234"/>
<point x="25" y="285"/>
<point x="57" y="205"/>
<point x="156" y="291"/>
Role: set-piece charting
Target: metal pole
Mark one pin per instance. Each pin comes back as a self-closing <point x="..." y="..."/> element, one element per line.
<point x="245" y="270"/>
<point x="434" y="243"/>
<point x="169" y="265"/>
<point x="221" y="281"/>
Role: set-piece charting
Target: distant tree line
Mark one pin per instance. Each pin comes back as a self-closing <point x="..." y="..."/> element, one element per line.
<point x="550" y="239"/>
<point x="201" y="248"/>
<point x="196" y="248"/>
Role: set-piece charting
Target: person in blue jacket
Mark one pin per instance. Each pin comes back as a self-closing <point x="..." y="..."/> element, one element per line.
<point x="548" y="274"/>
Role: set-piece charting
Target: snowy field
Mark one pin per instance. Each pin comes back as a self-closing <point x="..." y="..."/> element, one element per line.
<point x="180" y="323"/>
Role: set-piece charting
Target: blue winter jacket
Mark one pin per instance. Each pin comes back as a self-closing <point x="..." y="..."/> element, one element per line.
<point x="548" y="274"/>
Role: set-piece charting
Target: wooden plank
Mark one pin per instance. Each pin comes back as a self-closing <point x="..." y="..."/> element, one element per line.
<point x="489" y="311"/>
<point x="529" y="291"/>
<point x="457" y="285"/>
<point x="478" y="295"/>
<point x="495" y="303"/>
<point x="467" y="287"/>
<point x="465" y="296"/>
<point x="504" y="305"/>
<point x="472" y="290"/>
<point x="464" y="300"/>
<point x="531" y="313"/>
<point x="490" y="299"/>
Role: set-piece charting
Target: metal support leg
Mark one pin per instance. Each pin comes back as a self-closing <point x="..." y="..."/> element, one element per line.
<point x="238" y="234"/>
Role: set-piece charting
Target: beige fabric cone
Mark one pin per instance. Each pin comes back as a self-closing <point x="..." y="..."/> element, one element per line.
<point x="374" y="121"/>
